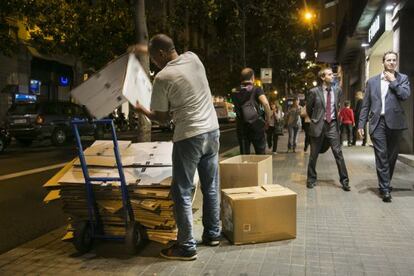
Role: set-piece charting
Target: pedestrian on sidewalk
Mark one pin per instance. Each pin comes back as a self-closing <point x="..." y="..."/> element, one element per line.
<point x="346" y="116"/>
<point x="251" y="121"/>
<point x="275" y="127"/>
<point x="358" y="105"/>
<point x="181" y="87"/>
<point x="294" y="124"/>
<point x="322" y="105"/>
<point x="306" y="125"/>
<point x="384" y="94"/>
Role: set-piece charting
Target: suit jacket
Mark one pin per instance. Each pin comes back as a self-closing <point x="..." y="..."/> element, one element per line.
<point x="316" y="107"/>
<point x="398" y="91"/>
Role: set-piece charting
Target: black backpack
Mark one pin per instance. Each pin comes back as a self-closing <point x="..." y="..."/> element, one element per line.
<point x="250" y="112"/>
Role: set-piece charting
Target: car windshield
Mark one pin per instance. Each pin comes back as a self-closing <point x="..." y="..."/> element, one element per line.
<point x="23" y="108"/>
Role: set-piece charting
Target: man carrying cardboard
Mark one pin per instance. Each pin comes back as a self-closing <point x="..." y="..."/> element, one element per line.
<point x="181" y="88"/>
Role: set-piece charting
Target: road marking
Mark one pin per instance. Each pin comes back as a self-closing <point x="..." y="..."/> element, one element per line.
<point x="38" y="170"/>
<point x="227" y="130"/>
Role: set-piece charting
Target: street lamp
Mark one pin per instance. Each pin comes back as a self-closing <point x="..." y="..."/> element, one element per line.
<point x="309" y="15"/>
<point x="275" y="92"/>
<point x="302" y="55"/>
<point x="315" y="83"/>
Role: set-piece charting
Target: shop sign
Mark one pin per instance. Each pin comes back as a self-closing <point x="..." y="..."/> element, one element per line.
<point x="377" y="28"/>
<point x="266" y="75"/>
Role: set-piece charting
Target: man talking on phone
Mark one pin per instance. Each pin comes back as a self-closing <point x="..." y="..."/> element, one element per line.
<point x="382" y="107"/>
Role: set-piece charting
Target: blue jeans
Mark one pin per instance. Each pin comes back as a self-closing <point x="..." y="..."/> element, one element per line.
<point x="293" y="137"/>
<point x="199" y="152"/>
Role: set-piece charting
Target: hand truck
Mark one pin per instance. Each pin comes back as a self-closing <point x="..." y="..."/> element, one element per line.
<point x="86" y="231"/>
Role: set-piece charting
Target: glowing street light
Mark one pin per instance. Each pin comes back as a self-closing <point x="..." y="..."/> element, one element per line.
<point x="309" y="15"/>
<point x="275" y="92"/>
<point x="315" y="83"/>
<point x="302" y="55"/>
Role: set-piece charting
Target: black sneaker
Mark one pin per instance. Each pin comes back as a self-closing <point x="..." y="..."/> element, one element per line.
<point x="211" y="241"/>
<point x="176" y="252"/>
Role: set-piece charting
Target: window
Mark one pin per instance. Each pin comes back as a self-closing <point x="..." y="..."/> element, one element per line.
<point x="330" y="3"/>
<point x="326" y="31"/>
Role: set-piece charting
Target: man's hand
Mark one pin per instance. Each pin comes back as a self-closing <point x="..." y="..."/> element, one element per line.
<point x="389" y="76"/>
<point x="361" y="132"/>
<point x="138" y="49"/>
<point x="139" y="107"/>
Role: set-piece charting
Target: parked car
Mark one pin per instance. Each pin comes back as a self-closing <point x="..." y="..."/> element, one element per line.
<point x="225" y="112"/>
<point x="27" y="122"/>
<point x="4" y="139"/>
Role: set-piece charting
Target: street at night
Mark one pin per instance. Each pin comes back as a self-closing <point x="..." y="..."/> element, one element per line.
<point x="271" y="137"/>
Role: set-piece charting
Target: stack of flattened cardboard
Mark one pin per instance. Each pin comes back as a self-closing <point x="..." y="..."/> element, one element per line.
<point x="148" y="173"/>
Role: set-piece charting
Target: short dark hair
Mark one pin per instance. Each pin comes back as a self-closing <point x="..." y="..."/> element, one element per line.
<point x="246" y="74"/>
<point x="321" y="73"/>
<point x="347" y="103"/>
<point x="161" y="42"/>
<point x="389" y="53"/>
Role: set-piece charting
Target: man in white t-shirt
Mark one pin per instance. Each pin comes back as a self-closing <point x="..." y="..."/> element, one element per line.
<point x="181" y="88"/>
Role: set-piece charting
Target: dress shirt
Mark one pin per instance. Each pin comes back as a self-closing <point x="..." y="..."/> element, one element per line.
<point x="384" y="90"/>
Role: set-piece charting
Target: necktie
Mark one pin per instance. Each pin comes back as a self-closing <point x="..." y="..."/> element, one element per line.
<point x="328" y="105"/>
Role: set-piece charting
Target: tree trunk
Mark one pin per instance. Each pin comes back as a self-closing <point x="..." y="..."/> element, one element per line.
<point x="141" y="37"/>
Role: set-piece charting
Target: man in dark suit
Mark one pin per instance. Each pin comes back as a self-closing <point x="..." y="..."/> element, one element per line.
<point x="382" y="107"/>
<point x="322" y="106"/>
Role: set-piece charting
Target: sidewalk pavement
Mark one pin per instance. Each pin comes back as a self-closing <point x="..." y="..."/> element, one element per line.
<point x="338" y="233"/>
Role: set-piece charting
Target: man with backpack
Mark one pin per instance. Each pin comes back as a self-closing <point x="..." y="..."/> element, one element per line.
<point x="249" y="102"/>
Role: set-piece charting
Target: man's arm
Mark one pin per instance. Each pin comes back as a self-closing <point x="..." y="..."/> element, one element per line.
<point x="310" y="102"/>
<point x="401" y="88"/>
<point x="366" y="106"/>
<point x="265" y="103"/>
<point x="158" y="116"/>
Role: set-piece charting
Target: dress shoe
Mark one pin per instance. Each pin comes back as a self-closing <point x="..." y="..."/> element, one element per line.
<point x="346" y="188"/>
<point x="382" y="192"/>
<point x="310" y="185"/>
<point x="386" y="197"/>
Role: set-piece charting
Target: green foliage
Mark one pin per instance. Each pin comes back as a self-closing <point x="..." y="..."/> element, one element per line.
<point x="97" y="31"/>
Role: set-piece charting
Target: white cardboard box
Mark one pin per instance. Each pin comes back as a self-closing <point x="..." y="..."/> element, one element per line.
<point x="123" y="79"/>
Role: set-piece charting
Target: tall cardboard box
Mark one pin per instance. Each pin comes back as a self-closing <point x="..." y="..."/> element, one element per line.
<point x="245" y="171"/>
<point x="258" y="214"/>
<point x="121" y="80"/>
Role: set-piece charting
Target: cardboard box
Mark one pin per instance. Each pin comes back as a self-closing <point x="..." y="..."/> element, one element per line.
<point x="245" y="171"/>
<point x="123" y="79"/>
<point x="259" y="214"/>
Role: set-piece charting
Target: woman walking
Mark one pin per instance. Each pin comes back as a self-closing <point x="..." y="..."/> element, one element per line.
<point x="275" y="127"/>
<point x="294" y="123"/>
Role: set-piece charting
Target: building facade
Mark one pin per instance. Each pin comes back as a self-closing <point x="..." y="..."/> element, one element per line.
<point x="30" y="74"/>
<point x="363" y="30"/>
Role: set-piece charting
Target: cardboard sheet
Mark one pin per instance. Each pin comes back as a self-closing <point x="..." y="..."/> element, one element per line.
<point x="123" y="79"/>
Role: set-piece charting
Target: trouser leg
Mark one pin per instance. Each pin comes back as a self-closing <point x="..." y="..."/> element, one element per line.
<point x="393" y="142"/>
<point x="379" y="140"/>
<point x="186" y="155"/>
<point x="315" y="147"/>
<point x="208" y="172"/>
<point x="333" y="136"/>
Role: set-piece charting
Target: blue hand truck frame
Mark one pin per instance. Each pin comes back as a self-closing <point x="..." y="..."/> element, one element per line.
<point x="85" y="232"/>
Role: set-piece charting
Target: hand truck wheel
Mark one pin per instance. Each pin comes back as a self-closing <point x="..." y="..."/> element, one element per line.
<point x="83" y="237"/>
<point x="134" y="238"/>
